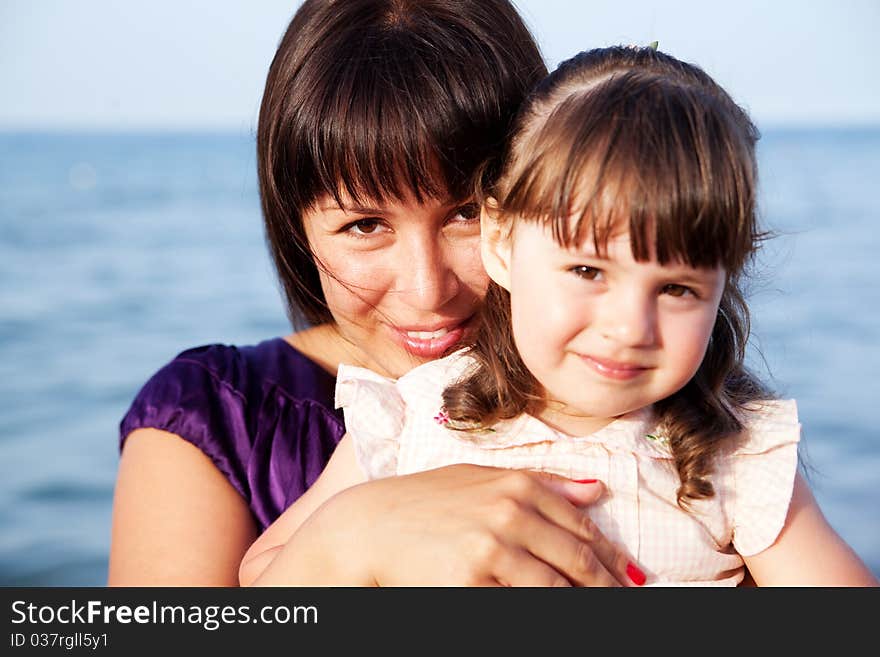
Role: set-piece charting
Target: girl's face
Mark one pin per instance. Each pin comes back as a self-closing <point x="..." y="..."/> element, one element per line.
<point x="402" y="279"/>
<point x="605" y="335"/>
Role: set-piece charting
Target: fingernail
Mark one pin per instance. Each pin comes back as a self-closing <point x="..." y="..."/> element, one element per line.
<point x="585" y="481"/>
<point x="637" y="576"/>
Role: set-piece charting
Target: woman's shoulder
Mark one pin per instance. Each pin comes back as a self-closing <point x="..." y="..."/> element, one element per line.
<point x="254" y="370"/>
<point x="242" y="387"/>
<point x="266" y="401"/>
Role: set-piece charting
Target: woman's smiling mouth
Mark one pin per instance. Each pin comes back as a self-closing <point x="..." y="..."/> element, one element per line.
<point x="430" y="341"/>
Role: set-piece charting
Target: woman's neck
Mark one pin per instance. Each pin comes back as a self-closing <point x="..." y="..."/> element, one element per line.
<point x="326" y="346"/>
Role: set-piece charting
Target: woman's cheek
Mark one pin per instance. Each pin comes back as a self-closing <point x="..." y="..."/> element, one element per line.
<point x="351" y="287"/>
<point x="467" y="265"/>
<point x="475" y="278"/>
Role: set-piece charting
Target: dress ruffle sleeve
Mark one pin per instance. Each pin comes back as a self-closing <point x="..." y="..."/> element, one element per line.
<point x="374" y="413"/>
<point x="764" y="467"/>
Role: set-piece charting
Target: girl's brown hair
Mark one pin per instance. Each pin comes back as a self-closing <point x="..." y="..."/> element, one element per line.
<point x="632" y="137"/>
<point x="377" y="99"/>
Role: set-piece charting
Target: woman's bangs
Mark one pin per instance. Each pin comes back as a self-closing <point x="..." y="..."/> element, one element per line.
<point x="395" y="128"/>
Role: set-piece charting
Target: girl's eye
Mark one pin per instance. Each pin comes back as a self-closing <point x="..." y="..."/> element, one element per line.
<point x="586" y="272"/>
<point x="675" y="290"/>
<point x="361" y="227"/>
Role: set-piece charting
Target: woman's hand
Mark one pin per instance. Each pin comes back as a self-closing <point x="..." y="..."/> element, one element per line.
<point x="461" y="525"/>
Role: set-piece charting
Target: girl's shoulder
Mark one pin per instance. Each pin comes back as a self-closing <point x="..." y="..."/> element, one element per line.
<point x="757" y="482"/>
<point x="767" y="424"/>
<point x="383" y="416"/>
<point x="422" y="383"/>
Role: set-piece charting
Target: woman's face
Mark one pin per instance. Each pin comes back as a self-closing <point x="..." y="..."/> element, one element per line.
<point x="402" y="279"/>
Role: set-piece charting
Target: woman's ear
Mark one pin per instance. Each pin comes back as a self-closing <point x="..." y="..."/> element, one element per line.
<point x="494" y="244"/>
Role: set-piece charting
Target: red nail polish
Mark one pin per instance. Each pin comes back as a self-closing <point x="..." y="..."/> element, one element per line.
<point x="637" y="576"/>
<point x="585" y="481"/>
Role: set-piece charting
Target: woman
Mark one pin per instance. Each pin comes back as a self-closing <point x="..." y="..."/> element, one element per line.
<point x="376" y="119"/>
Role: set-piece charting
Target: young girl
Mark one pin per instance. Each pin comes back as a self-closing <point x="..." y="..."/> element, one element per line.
<point x="612" y="339"/>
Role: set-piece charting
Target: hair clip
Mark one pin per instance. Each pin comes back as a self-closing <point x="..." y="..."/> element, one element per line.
<point x="442" y="418"/>
<point x="653" y="46"/>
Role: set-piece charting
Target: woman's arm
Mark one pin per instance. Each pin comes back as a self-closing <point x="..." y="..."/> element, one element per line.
<point x="808" y="552"/>
<point x="177" y="521"/>
<point x="342" y="471"/>
<point x="461" y="525"/>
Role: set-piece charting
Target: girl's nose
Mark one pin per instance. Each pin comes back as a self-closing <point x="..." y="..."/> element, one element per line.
<point x="629" y="319"/>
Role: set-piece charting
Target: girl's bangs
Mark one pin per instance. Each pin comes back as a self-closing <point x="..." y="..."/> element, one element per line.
<point x="641" y="157"/>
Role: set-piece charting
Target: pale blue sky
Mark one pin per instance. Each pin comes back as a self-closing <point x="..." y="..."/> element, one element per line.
<point x="200" y="64"/>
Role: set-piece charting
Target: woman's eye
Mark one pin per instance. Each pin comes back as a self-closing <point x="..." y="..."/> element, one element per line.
<point x="361" y="227"/>
<point x="675" y="290"/>
<point x="467" y="212"/>
<point x="586" y="272"/>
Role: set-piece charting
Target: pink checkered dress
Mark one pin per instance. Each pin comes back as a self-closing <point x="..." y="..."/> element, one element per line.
<point x="398" y="427"/>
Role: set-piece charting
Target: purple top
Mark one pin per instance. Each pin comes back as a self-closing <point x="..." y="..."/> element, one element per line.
<point x="263" y="414"/>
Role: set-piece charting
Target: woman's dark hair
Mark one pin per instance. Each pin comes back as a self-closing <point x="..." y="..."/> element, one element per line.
<point x="380" y="99"/>
<point x="631" y="138"/>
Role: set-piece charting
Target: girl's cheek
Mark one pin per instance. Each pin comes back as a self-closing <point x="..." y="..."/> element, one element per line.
<point x="565" y="316"/>
<point x="691" y="338"/>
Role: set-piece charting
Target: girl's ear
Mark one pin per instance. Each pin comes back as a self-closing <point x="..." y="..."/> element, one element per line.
<point x="494" y="244"/>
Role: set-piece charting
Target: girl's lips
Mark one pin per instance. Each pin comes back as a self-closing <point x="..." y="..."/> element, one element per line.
<point x="612" y="369"/>
<point x="430" y="343"/>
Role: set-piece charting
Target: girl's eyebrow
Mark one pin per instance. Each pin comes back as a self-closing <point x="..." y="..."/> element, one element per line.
<point x="692" y="274"/>
<point x="694" y="279"/>
<point x="682" y="273"/>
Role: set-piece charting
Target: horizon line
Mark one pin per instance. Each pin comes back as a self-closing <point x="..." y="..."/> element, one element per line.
<point x="251" y="130"/>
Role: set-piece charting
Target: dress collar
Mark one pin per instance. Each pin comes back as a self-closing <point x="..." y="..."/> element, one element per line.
<point x="634" y="432"/>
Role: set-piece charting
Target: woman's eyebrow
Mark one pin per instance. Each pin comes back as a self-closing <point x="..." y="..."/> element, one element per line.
<point x="353" y="209"/>
<point x="365" y="209"/>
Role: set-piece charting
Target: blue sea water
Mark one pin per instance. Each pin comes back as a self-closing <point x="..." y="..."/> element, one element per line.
<point x="119" y="250"/>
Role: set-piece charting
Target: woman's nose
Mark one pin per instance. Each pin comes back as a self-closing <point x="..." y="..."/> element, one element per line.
<point x="427" y="281"/>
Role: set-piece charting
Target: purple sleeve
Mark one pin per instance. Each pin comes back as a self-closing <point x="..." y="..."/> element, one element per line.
<point x="187" y="399"/>
<point x="264" y="415"/>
